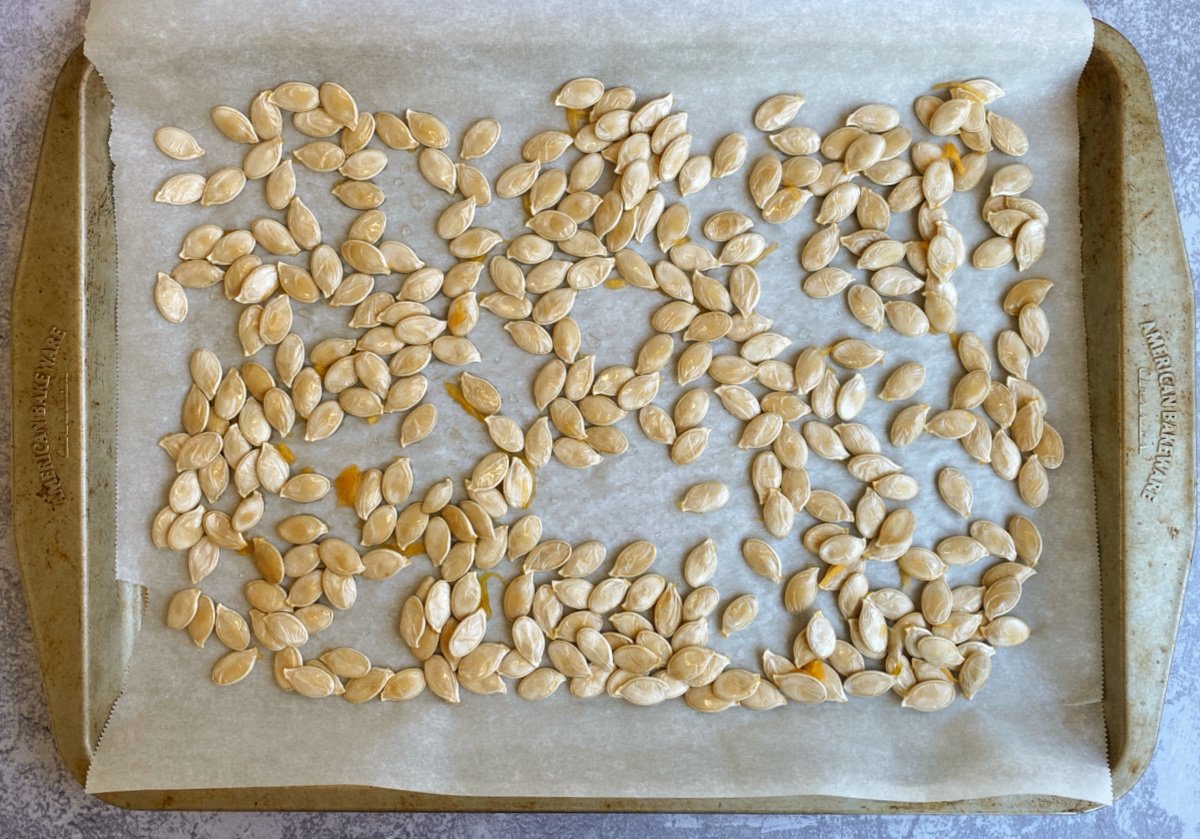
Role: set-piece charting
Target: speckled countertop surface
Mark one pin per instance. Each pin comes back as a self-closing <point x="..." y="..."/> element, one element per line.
<point x="38" y="797"/>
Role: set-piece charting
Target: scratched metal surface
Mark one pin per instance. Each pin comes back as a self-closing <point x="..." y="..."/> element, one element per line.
<point x="38" y="797"/>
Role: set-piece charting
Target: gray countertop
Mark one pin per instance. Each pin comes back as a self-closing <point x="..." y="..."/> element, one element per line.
<point x="38" y="797"/>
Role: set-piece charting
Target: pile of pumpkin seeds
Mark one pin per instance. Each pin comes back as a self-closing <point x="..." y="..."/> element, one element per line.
<point x="599" y="197"/>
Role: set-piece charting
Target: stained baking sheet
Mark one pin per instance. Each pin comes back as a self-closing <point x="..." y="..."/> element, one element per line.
<point x="1038" y="726"/>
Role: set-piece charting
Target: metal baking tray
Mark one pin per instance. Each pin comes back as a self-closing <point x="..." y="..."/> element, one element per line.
<point x="1140" y="327"/>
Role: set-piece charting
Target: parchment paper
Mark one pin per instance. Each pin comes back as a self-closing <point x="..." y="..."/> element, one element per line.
<point x="1036" y="728"/>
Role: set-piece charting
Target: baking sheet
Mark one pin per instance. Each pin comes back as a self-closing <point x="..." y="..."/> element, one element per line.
<point x="1038" y="725"/>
